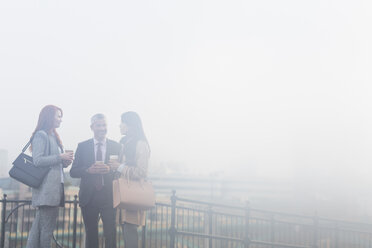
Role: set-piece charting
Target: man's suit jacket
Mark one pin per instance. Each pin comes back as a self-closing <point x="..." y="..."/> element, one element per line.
<point x="84" y="158"/>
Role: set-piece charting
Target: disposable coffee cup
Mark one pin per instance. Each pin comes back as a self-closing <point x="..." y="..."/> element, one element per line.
<point x="114" y="158"/>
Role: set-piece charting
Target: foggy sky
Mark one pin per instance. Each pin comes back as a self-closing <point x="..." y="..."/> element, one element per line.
<point x="265" y="89"/>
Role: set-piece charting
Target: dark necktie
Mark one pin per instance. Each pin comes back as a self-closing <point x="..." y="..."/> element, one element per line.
<point x="99" y="179"/>
<point x="99" y="152"/>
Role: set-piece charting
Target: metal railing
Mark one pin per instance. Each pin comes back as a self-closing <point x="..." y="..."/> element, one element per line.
<point x="196" y="224"/>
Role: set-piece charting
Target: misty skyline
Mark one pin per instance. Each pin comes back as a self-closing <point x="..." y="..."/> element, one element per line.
<point x="239" y="89"/>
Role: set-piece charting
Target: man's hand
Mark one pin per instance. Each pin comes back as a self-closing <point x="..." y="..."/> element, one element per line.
<point x="98" y="169"/>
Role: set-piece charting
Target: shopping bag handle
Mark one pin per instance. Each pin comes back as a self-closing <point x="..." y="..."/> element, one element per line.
<point x="128" y="180"/>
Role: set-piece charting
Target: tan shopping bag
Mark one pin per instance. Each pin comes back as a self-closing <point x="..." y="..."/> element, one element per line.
<point x="133" y="194"/>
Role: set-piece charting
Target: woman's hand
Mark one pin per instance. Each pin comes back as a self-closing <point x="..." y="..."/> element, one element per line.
<point x="67" y="156"/>
<point x="66" y="163"/>
<point x="114" y="165"/>
<point x="98" y="169"/>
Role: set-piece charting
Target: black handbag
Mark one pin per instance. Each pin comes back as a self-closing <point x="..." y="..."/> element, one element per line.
<point x="26" y="172"/>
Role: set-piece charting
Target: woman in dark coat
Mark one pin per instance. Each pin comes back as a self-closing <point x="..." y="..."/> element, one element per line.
<point x="134" y="163"/>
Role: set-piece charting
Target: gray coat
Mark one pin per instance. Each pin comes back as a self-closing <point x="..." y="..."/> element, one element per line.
<point x="45" y="152"/>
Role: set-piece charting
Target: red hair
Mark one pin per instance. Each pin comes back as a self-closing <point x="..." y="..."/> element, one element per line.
<point x="46" y="121"/>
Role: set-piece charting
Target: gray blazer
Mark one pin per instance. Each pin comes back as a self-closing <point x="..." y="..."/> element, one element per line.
<point x="45" y="152"/>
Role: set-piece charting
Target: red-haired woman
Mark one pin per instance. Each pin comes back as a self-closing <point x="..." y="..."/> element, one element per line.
<point x="47" y="151"/>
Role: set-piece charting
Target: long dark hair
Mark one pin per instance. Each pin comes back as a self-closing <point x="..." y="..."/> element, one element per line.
<point x="46" y="121"/>
<point x="134" y="123"/>
<point x="134" y="134"/>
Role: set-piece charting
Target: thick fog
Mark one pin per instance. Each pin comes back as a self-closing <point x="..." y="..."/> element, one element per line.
<point x="253" y="90"/>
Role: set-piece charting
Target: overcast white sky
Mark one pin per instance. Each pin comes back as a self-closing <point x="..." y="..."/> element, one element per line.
<point x="261" y="88"/>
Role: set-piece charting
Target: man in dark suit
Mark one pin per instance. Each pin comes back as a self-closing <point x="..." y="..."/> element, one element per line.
<point x="95" y="195"/>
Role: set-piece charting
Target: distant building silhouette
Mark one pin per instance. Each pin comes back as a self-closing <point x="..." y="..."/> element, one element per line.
<point x="4" y="163"/>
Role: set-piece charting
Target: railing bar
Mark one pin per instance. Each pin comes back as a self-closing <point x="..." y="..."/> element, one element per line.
<point x="19" y="201"/>
<point x="143" y="234"/>
<point x="185" y="208"/>
<point x="236" y="228"/>
<point x="161" y="226"/>
<point x="156" y="228"/>
<point x="182" y="219"/>
<point x="162" y="204"/>
<point x="241" y="208"/>
<point x="217" y="229"/>
<point x="278" y="244"/>
<point x="216" y="225"/>
<point x="81" y="227"/>
<point x="190" y="218"/>
<point x="28" y="220"/>
<point x="9" y="219"/>
<point x="202" y="235"/>
<point x="347" y="230"/>
<point x="345" y="221"/>
<point x="283" y="232"/>
<point x="3" y="214"/>
<point x="13" y="220"/>
<point x="167" y="227"/>
<point x="23" y="217"/>
<point x="208" y="203"/>
<point x="69" y="226"/>
<point x="226" y="228"/>
<point x="151" y="226"/>
<point x="232" y="221"/>
<point x="293" y="238"/>
<point x="16" y="216"/>
<point x="221" y="227"/>
<point x="57" y="227"/>
<point x="286" y="222"/>
<point x="199" y="228"/>
<point x="286" y="225"/>
<point x="196" y="225"/>
<point x="63" y="224"/>
<point x="261" y="228"/>
<point x="232" y="227"/>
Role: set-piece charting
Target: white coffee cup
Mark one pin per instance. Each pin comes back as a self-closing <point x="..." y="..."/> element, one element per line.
<point x="114" y="158"/>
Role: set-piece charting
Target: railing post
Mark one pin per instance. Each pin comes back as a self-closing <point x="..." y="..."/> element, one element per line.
<point x="272" y="231"/>
<point x="172" y="229"/>
<point x="143" y="236"/>
<point x="74" y="222"/>
<point x="246" y="226"/>
<point x="337" y="234"/>
<point x="316" y="231"/>
<point x="210" y="225"/>
<point x="3" y="215"/>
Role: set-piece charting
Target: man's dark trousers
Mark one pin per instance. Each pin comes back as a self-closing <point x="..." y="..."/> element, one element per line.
<point x="99" y="207"/>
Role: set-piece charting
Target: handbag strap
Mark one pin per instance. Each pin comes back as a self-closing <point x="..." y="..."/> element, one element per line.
<point x="27" y="145"/>
<point x="30" y="141"/>
<point x="127" y="177"/>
